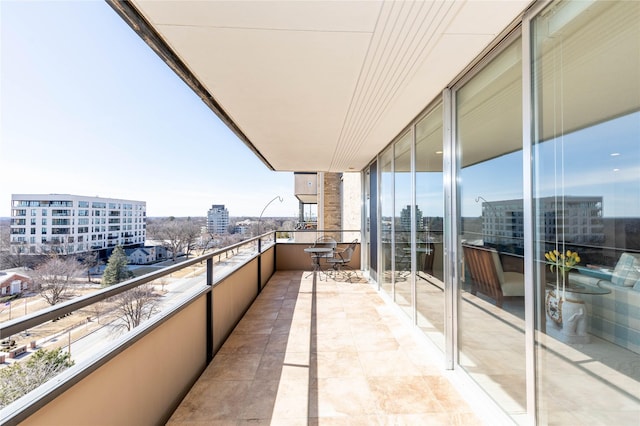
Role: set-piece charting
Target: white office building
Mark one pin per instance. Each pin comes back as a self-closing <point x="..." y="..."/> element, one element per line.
<point x="217" y="219"/>
<point x="577" y="219"/>
<point x="71" y="224"/>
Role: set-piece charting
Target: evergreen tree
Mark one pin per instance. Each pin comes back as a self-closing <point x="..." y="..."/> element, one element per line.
<point x="116" y="270"/>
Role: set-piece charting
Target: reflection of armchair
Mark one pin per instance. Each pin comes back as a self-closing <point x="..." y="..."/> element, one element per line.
<point x="429" y="254"/>
<point x="487" y="276"/>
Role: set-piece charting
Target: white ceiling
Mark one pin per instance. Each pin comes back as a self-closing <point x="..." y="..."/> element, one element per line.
<point x="325" y="85"/>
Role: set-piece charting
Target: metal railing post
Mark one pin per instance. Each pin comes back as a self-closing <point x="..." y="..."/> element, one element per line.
<point x="209" y="315"/>
<point x="259" y="265"/>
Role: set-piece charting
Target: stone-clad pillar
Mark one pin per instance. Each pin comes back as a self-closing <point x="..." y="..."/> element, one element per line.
<point x="332" y="208"/>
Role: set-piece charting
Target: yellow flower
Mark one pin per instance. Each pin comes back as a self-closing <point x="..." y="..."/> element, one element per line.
<point x="563" y="261"/>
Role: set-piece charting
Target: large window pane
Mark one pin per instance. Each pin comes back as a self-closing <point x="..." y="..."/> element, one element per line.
<point x="386" y="221"/>
<point x="372" y="220"/>
<point x="403" y="219"/>
<point x="491" y="343"/>
<point x="366" y="241"/>
<point x="587" y="201"/>
<point x="429" y="226"/>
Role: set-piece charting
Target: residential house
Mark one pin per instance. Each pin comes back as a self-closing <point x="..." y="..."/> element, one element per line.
<point x="140" y="256"/>
<point x="14" y="283"/>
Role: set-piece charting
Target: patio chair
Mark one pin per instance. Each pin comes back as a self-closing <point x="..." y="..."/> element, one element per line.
<point x="487" y="276"/>
<point x="326" y="242"/>
<point x="342" y="258"/>
<point x="316" y="258"/>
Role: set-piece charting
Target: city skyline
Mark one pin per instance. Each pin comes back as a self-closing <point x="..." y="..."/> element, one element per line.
<point x="74" y="75"/>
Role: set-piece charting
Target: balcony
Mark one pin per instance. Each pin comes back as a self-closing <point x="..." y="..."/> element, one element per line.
<point x="310" y="351"/>
<point x="289" y="347"/>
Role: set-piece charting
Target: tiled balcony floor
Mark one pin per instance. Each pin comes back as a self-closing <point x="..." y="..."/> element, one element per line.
<point x="322" y="352"/>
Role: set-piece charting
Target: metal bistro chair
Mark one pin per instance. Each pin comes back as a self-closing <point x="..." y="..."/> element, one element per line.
<point x="316" y="258"/>
<point x="342" y="258"/>
<point x="327" y="242"/>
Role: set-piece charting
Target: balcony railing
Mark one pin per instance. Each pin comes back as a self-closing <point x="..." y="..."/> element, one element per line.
<point x="146" y="372"/>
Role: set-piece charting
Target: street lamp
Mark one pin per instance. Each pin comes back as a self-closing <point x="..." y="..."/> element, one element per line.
<point x="277" y="197"/>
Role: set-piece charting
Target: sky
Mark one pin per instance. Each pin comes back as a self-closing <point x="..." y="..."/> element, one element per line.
<point x="87" y="108"/>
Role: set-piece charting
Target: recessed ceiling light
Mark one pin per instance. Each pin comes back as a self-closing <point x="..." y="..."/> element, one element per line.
<point x="616" y="170"/>
<point x="439" y="152"/>
<point x="615" y="154"/>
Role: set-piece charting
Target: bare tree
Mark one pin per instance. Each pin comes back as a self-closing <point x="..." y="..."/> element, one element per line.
<point x="89" y="260"/>
<point x="162" y="282"/>
<point x="169" y="233"/>
<point x="15" y="256"/>
<point x="190" y="235"/>
<point x="54" y="278"/>
<point x="11" y="260"/>
<point x="208" y="241"/>
<point x="135" y="306"/>
<point x="179" y="236"/>
<point x="288" y="225"/>
<point x="99" y="308"/>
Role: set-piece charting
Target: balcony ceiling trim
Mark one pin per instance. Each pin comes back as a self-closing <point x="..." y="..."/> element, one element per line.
<point x="319" y="86"/>
<point x="146" y="31"/>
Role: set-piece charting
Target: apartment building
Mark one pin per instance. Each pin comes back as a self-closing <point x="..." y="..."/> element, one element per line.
<point x="72" y="224"/>
<point x="576" y="220"/>
<point x="217" y="219"/>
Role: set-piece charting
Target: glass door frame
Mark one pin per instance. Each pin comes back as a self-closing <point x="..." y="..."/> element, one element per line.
<point x="454" y="267"/>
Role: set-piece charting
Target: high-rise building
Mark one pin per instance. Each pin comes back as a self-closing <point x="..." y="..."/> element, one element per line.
<point x="405" y="219"/>
<point x="217" y="219"/>
<point x="577" y="220"/>
<point x="71" y="224"/>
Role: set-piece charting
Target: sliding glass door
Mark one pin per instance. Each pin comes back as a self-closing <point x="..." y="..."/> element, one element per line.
<point x="586" y="193"/>
<point x="542" y="197"/>
<point x="491" y="323"/>
<point x="403" y="219"/>
<point x="429" y="226"/>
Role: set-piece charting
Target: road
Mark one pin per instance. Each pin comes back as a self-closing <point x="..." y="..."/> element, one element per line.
<point x="177" y="289"/>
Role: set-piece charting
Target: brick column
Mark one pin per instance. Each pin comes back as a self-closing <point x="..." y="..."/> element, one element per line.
<point x="332" y="209"/>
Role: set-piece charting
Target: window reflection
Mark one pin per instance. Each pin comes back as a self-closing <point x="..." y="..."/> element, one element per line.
<point x="429" y="227"/>
<point x="386" y="220"/>
<point x="402" y="223"/>
<point x="491" y="341"/>
<point x="587" y="201"/>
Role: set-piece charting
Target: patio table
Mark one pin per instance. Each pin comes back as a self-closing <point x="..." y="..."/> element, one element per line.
<point x="316" y="254"/>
